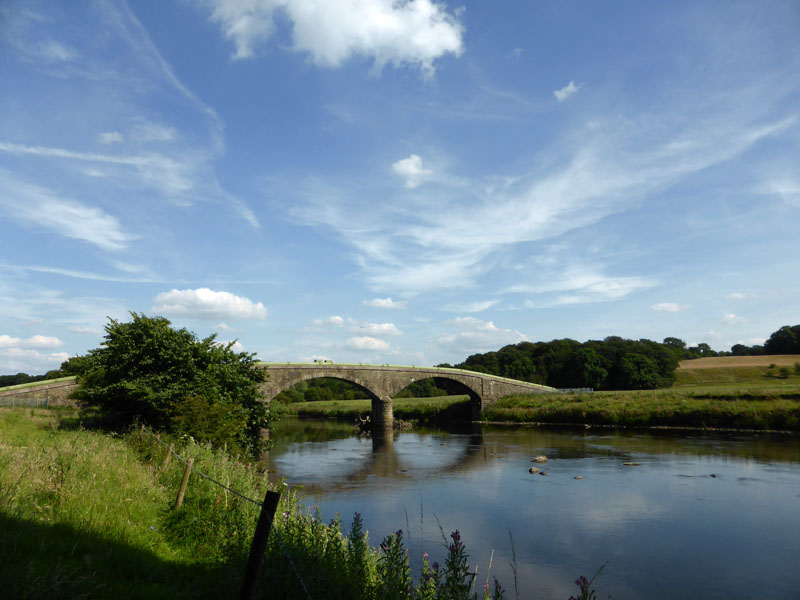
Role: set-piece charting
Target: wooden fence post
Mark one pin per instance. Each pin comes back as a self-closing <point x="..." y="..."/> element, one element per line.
<point x="259" y="545"/>
<point x="184" y="483"/>
<point x="166" y="459"/>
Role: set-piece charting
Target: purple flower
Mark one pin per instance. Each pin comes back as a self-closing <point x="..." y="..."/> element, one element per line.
<point x="424" y="556"/>
<point x="399" y="533"/>
<point x="435" y="566"/>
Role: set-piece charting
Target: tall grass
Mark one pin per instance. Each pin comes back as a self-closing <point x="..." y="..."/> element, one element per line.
<point x="87" y="515"/>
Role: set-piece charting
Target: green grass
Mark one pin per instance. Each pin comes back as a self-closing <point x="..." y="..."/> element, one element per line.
<point x="37" y="383"/>
<point x="88" y="515"/>
<point x="408" y="409"/>
<point x="712" y="406"/>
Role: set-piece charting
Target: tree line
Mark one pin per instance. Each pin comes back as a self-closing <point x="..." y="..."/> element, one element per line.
<point x="613" y="363"/>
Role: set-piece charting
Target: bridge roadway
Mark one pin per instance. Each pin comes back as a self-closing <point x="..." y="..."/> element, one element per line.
<point x="384" y="382"/>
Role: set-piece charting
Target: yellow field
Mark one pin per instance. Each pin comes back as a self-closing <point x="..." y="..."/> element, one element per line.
<point x="731" y="362"/>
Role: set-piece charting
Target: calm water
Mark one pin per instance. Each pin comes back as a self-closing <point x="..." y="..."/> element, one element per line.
<point x="703" y="516"/>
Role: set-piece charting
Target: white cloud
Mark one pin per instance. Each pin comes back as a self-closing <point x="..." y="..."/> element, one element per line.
<point x="111" y="137"/>
<point x="578" y="284"/>
<point x="471" y="307"/>
<point x="154" y="132"/>
<point x="16" y="359"/>
<point x="669" y="307"/>
<point x="757" y="340"/>
<point x="367" y="343"/>
<point x="736" y="296"/>
<point x="566" y="91"/>
<point x="787" y="189"/>
<point x="86" y="330"/>
<point x="42" y="208"/>
<point x="172" y="176"/>
<point x="236" y="347"/>
<point x="53" y="51"/>
<point x="414" y="33"/>
<point x="204" y="303"/>
<point x="412" y="170"/>
<point x="473" y="335"/>
<point x="42" y="341"/>
<point x="732" y="319"/>
<point x="450" y="239"/>
<point x="387" y="303"/>
<point x="380" y="329"/>
<point x="6" y="341"/>
<point x="334" y="320"/>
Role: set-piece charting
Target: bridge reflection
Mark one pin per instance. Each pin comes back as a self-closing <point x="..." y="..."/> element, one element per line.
<point x="385" y="457"/>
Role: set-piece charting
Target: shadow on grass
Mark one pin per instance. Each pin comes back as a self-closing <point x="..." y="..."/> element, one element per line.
<point x="58" y="561"/>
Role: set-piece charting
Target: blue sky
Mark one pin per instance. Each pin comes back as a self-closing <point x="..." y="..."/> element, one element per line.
<point x="397" y="182"/>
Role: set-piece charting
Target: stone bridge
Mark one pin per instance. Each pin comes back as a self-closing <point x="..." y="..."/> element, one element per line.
<point x="383" y="382"/>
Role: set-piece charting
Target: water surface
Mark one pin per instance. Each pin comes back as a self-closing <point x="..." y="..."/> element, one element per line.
<point x="703" y="515"/>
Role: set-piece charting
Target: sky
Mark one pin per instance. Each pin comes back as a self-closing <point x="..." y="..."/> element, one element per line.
<point x="397" y="182"/>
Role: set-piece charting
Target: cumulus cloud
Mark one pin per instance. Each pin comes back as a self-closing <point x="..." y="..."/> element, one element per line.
<point x="42" y="208"/>
<point x="669" y="307"/>
<point x="204" y="303"/>
<point x="42" y="341"/>
<point x="15" y="359"/>
<point x="416" y="33"/>
<point x="6" y="341"/>
<point x="335" y="320"/>
<point x="566" y="91"/>
<point x="412" y="170"/>
<point x="732" y="319"/>
<point x="367" y="343"/>
<point x="111" y="137"/>
<point x="87" y="330"/>
<point x="473" y="335"/>
<point x="387" y="303"/>
<point x="380" y="329"/>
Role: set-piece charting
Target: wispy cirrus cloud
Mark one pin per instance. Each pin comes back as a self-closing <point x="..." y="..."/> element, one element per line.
<point x="39" y="207"/>
<point x="669" y="307"/>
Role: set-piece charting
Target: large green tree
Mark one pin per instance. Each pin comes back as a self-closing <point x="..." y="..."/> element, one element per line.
<point x="147" y="371"/>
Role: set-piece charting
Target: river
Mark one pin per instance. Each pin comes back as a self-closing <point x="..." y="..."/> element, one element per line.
<point x="711" y="515"/>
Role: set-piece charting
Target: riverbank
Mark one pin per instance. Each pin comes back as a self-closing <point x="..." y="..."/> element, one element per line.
<point x="85" y="514"/>
<point x="757" y="406"/>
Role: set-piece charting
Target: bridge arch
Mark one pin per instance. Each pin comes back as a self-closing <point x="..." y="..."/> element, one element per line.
<point x="383" y="382"/>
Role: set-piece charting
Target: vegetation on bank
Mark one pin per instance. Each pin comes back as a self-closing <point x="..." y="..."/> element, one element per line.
<point x="88" y="515"/>
<point x="150" y="373"/>
<point x="421" y="410"/>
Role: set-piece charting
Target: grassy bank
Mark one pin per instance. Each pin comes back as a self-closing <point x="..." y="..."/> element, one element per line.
<point x="656" y="408"/>
<point x="722" y="392"/>
<point x="88" y="515"/>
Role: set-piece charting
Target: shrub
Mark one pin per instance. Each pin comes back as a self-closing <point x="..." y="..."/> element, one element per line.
<point x="146" y="371"/>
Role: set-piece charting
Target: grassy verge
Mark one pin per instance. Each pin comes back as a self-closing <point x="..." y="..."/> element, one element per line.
<point x="87" y="515"/>
<point x="422" y="410"/>
<point x="726" y="407"/>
